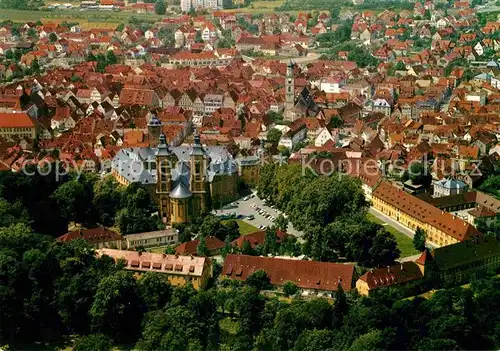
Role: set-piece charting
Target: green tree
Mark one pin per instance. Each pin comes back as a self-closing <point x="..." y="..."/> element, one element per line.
<point x="289" y="288"/>
<point x="93" y="342"/>
<point x="313" y="340"/>
<point x="11" y="214"/>
<point x="246" y="248"/>
<point x="232" y="230"/>
<point x="202" y="249"/>
<point x="419" y="174"/>
<point x="198" y="37"/>
<point x="282" y="223"/>
<point x="117" y="308"/>
<point x="340" y="307"/>
<point x="155" y="290"/>
<point x="160" y="8"/>
<point x="35" y="66"/>
<point x="419" y="239"/>
<point x="73" y="201"/>
<point x="107" y="199"/>
<point x="371" y="341"/>
<point x="53" y="37"/>
<point x="274" y="136"/>
<point x="270" y="244"/>
<point x="259" y="280"/>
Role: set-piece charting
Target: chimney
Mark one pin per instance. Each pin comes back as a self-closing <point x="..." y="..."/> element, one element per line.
<point x="402" y="267"/>
<point x="340" y="280"/>
<point x="164" y="255"/>
<point x="454" y="217"/>
<point x="388" y="269"/>
<point x="191" y="256"/>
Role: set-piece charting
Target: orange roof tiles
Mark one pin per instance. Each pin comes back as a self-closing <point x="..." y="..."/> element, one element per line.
<point x="15" y="120"/>
<point x="425" y="212"/>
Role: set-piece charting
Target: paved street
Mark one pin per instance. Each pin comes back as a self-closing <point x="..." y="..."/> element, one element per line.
<point x="245" y="208"/>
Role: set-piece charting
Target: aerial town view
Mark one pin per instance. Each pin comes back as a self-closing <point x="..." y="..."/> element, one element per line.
<point x="249" y="175"/>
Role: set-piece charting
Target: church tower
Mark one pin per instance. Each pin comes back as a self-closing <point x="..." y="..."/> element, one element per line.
<point x="198" y="176"/>
<point x="154" y="130"/>
<point x="289" y="92"/>
<point x="165" y="162"/>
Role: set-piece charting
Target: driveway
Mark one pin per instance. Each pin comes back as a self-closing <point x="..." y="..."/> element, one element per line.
<point x="406" y="231"/>
<point x="391" y="222"/>
<point x="245" y="208"/>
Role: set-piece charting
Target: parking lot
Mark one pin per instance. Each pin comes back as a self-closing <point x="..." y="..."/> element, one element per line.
<point x="244" y="207"/>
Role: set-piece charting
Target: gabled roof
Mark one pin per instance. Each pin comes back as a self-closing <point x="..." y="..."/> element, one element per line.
<point x="190" y="247"/>
<point x="393" y="275"/>
<point x="305" y="274"/>
<point x="93" y="235"/>
<point x="425" y="212"/>
<point x="15" y="120"/>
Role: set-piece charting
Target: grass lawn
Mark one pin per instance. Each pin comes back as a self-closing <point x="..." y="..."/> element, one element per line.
<point x="245" y="228"/>
<point x="405" y="244"/>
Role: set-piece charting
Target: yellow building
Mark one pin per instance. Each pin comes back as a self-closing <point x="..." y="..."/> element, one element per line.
<point x="16" y="125"/>
<point x="441" y="228"/>
<point x="250" y="170"/>
<point x="184" y="180"/>
<point x="179" y="270"/>
<point x="399" y="274"/>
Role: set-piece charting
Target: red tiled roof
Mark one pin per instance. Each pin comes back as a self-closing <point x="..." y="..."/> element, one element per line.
<point x="93" y="235"/>
<point x="257" y="238"/>
<point x="189" y="247"/>
<point x="397" y="274"/>
<point x="425" y="212"/>
<point x="305" y="274"/>
<point x="15" y="120"/>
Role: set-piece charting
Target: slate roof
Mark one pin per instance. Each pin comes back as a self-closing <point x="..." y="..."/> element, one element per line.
<point x="136" y="164"/>
<point x="181" y="191"/>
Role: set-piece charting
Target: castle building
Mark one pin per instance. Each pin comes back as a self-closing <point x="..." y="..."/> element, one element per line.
<point x="184" y="180"/>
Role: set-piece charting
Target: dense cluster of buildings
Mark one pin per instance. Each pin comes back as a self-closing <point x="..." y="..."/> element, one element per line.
<point x="184" y="107"/>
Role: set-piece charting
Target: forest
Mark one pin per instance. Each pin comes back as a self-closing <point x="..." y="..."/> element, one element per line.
<point x="49" y="203"/>
<point x="53" y="292"/>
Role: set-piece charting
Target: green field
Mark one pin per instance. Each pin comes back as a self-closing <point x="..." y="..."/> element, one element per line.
<point x="405" y="244"/>
<point x="76" y="16"/>
<point x="245" y="228"/>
